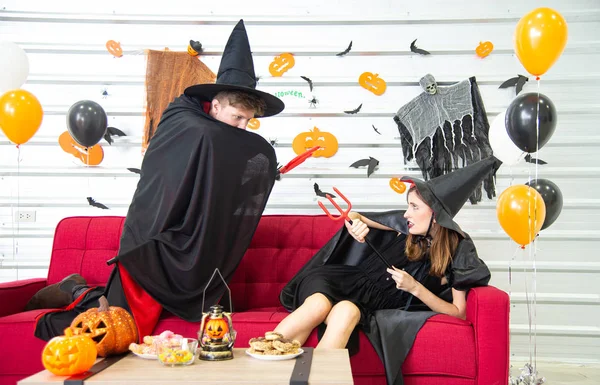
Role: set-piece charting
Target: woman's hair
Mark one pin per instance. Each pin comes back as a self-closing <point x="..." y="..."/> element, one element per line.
<point x="240" y="99"/>
<point x="443" y="245"/>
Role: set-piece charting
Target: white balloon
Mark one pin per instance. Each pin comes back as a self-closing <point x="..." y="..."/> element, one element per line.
<point x="14" y="66"/>
<point x="502" y="145"/>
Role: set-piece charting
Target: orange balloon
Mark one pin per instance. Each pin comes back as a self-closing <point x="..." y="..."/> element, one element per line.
<point x="521" y="212"/>
<point x="540" y="39"/>
<point x="20" y="115"/>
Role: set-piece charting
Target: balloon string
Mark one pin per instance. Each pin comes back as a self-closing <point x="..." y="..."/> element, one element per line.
<point x="528" y="307"/>
<point x="534" y="283"/>
<point x="510" y="299"/>
<point x="16" y="238"/>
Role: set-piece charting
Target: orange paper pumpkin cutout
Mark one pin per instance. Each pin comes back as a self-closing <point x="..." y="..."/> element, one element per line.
<point x="254" y="124"/>
<point x="397" y="185"/>
<point x="281" y="64"/>
<point x="372" y="82"/>
<point x="191" y="51"/>
<point x="484" y="49"/>
<point x="307" y="140"/>
<point x="92" y="156"/>
<point x="114" y="48"/>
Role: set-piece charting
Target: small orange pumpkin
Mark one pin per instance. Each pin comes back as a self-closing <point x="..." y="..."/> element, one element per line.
<point x="216" y="328"/>
<point x="114" y="48"/>
<point x="112" y="328"/>
<point x="254" y="124"/>
<point x="307" y="140"/>
<point x="397" y="185"/>
<point x="191" y="51"/>
<point x="67" y="355"/>
<point x="281" y="64"/>
<point x="372" y="82"/>
<point x="484" y="49"/>
<point x="92" y="156"/>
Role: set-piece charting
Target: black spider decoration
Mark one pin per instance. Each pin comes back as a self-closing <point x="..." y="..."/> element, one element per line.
<point x="313" y="102"/>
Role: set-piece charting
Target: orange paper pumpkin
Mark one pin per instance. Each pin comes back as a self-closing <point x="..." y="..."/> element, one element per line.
<point x="372" y="82"/>
<point x="68" y="355"/>
<point x="307" y="140"/>
<point x="254" y="124"/>
<point x="397" y="185"/>
<point x="112" y="328"/>
<point x="281" y="64"/>
<point x="216" y="328"/>
<point x="114" y="48"/>
<point x="92" y="156"/>
<point x="191" y="51"/>
<point x="484" y="49"/>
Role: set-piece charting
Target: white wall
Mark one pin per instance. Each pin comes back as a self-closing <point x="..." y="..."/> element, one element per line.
<point x="65" y="41"/>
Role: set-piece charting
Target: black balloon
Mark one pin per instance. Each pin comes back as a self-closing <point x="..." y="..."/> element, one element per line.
<point x="87" y="122"/>
<point x="552" y="198"/>
<point x="521" y="117"/>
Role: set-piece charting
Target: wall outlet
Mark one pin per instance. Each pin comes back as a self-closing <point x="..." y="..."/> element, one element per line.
<point x="25" y="216"/>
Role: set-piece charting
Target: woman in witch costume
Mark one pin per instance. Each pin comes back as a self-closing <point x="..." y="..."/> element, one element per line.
<point x="435" y="263"/>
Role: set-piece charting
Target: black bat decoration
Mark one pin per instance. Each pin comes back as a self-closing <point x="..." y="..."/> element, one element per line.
<point x="377" y="131"/>
<point x="196" y="46"/>
<point x="529" y="159"/>
<point x="112" y="131"/>
<point x="344" y="52"/>
<point x="92" y="202"/>
<point x="371" y="162"/>
<point x="310" y="83"/>
<point x="355" y="111"/>
<point x="135" y="170"/>
<point x="518" y="81"/>
<point x="321" y="193"/>
<point x="418" y="50"/>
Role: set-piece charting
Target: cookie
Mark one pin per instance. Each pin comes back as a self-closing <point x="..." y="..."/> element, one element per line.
<point x="272" y="336"/>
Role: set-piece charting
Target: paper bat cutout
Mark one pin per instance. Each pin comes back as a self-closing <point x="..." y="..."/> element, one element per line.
<point x="92" y="202"/>
<point x="518" y="81"/>
<point x="310" y="83"/>
<point x="418" y="50"/>
<point x="355" y="111"/>
<point x="529" y="159"/>
<point x="321" y="193"/>
<point x="112" y="131"/>
<point x="196" y="46"/>
<point x="377" y="131"/>
<point x="344" y="52"/>
<point x="135" y="170"/>
<point x="371" y="162"/>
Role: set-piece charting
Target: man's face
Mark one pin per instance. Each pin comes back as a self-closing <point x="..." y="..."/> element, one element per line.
<point x="234" y="116"/>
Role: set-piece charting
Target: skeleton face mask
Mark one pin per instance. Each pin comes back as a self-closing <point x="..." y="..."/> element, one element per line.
<point x="428" y="84"/>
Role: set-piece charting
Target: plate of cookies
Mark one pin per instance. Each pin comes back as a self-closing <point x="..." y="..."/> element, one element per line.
<point x="273" y="347"/>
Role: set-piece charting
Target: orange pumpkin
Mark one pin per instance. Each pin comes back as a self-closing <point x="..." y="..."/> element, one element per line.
<point x="112" y="328"/>
<point x="397" y="185"/>
<point x="216" y="328"/>
<point x="281" y="64"/>
<point x="254" y="124"/>
<point x="372" y="82"/>
<point x="114" y="48"/>
<point x="92" y="156"/>
<point x="307" y="140"/>
<point x="191" y="51"/>
<point x="484" y="49"/>
<point x="67" y="355"/>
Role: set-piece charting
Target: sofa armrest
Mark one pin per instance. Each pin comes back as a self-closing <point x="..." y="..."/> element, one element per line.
<point x="488" y="310"/>
<point x="14" y="295"/>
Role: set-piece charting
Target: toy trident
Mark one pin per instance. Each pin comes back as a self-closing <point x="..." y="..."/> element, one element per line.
<point x="344" y="215"/>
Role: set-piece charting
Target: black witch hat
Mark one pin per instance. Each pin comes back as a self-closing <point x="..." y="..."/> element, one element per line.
<point x="236" y="73"/>
<point x="446" y="194"/>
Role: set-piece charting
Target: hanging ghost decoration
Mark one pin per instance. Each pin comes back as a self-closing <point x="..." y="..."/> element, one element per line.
<point x="446" y="128"/>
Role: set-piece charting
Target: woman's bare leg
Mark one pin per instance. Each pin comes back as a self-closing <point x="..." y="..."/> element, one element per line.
<point x="341" y="321"/>
<point x="300" y="323"/>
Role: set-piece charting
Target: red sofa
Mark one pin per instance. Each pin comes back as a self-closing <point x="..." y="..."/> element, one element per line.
<point x="447" y="350"/>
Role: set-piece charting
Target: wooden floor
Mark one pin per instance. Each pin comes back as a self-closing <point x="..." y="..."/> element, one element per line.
<point x="564" y="374"/>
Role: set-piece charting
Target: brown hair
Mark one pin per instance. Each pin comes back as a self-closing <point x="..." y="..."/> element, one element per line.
<point x="443" y="245"/>
<point x="245" y="100"/>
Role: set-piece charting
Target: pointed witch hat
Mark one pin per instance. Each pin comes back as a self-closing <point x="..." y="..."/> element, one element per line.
<point x="447" y="194"/>
<point x="236" y="73"/>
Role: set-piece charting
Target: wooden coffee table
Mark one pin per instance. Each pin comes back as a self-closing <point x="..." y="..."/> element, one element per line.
<point x="329" y="367"/>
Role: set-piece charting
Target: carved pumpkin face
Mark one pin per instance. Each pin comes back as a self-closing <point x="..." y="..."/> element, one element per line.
<point x="191" y="51"/>
<point x="92" y="156"/>
<point x="253" y="124"/>
<point x="484" y="49"/>
<point x="216" y="328"/>
<point x="281" y="64"/>
<point x="372" y="82"/>
<point x="112" y="328"/>
<point x="397" y="185"/>
<point x="114" y="48"/>
<point x="67" y="355"/>
<point x="307" y="140"/>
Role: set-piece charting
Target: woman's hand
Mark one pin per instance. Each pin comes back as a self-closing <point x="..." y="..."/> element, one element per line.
<point x="358" y="229"/>
<point x="404" y="281"/>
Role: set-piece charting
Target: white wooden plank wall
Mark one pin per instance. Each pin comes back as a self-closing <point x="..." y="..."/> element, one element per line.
<point x="65" y="42"/>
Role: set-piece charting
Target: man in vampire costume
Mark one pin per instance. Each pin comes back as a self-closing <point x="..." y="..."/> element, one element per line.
<point x="347" y="270"/>
<point x="204" y="185"/>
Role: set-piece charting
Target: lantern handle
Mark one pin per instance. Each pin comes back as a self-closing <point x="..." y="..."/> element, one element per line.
<point x="224" y="282"/>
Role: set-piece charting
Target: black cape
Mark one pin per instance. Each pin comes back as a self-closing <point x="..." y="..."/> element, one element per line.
<point x="391" y="331"/>
<point x="203" y="188"/>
